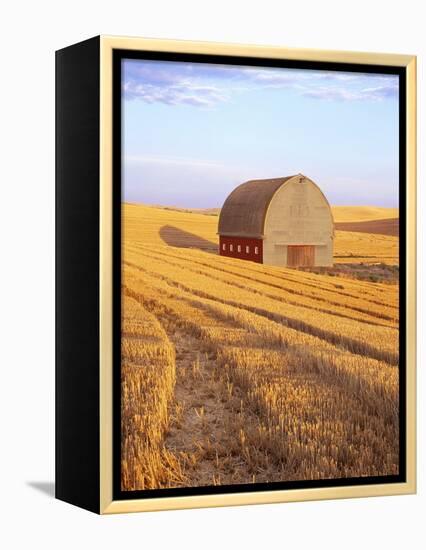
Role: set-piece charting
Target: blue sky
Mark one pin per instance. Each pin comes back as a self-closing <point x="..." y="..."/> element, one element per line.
<point x="192" y="132"/>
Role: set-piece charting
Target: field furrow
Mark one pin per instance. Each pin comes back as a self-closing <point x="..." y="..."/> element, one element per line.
<point x="342" y="293"/>
<point x="386" y="317"/>
<point x="208" y="416"/>
<point x="147" y="386"/>
<point x="376" y="342"/>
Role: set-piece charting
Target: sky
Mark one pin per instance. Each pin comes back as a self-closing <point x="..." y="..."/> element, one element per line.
<point x="192" y="132"/>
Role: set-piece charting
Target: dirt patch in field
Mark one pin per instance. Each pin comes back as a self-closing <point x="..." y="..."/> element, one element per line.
<point x="207" y="419"/>
<point x="375" y="273"/>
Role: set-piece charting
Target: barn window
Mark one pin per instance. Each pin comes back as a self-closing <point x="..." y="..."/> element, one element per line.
<point x="247" y="249"/>
<point x="239" y="248"/>
<point x="224" y="246"/>
<point x="256" y="250"/>
<point x="231" y="247"/>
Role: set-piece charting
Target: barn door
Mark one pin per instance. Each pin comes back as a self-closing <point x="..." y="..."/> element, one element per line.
<point x="300" y="256"/>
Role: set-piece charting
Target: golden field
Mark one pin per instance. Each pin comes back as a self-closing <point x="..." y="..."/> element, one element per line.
<point x="235" y="372"/>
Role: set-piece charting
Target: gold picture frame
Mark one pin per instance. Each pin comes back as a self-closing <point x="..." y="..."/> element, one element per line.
<point x="106" y="503"/>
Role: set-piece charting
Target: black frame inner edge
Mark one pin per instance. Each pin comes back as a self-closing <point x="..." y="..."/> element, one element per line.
<point x="118" y="56"/>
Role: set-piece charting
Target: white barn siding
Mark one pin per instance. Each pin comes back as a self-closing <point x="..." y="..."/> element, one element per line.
<point x="298" y="214"/>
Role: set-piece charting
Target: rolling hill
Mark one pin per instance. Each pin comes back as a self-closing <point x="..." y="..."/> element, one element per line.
<point x="362" y="213"/>
<point x="388" y="226"/>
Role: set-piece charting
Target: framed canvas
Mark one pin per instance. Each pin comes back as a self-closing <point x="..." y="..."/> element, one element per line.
<point x="235" y="274"/>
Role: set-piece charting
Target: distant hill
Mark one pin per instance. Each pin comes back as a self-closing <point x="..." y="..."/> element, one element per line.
<point x="205" y="211"/>
<point x="363" y="213"/>
<point x="340" y="213"/>
<point x="378" y="227"/>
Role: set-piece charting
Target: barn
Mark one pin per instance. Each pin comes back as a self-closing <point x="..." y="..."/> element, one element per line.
<point x="282" y="221"/>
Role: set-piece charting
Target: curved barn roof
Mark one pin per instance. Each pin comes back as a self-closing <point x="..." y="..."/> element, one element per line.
<point x="244" y="211"/>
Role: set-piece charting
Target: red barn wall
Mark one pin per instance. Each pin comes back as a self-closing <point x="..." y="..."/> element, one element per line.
<point x="243" y="242"/>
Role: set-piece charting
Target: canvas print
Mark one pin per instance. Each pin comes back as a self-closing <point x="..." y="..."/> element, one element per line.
<point x="260" y="275"/>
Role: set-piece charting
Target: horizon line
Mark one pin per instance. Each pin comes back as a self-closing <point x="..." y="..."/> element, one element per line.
<point x="157" y="205"/>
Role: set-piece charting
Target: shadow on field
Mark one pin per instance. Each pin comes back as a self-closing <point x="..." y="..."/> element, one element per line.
<point x="174" y="236"/>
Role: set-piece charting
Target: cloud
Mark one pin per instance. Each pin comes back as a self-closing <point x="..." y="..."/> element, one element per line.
<point x="273" y="78"/>
<point x="295" y="78"/>
<point x="381" y="92"/>
<point x="342" y="94"/>
<point x="181" y="93"/>
<point x="174" y="83"/>
<point x="207" y="85"/>
<point x="182" y="168"/>
<point x="305" y="83"/>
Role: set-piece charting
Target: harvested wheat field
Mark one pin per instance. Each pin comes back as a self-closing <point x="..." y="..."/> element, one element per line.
<point x="236" y="372"/>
